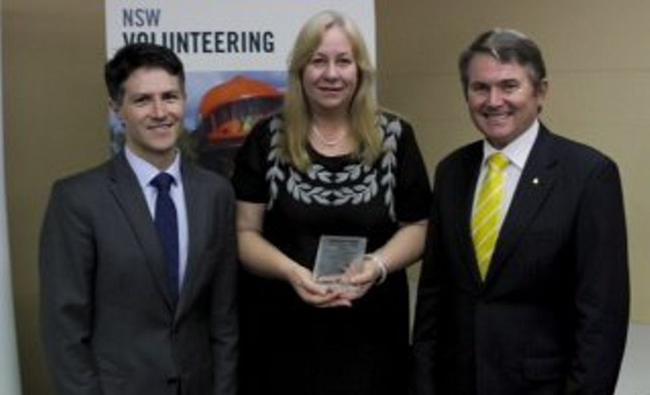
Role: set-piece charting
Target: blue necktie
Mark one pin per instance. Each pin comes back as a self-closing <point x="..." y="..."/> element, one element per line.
<point x="166" y="223"/>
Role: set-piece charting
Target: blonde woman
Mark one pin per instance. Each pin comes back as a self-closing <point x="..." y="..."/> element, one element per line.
<point x="330" y="164"/>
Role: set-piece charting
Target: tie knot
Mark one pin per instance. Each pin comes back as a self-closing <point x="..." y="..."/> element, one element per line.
<point x="162" y="182"/>
<point x="498" y="161"/>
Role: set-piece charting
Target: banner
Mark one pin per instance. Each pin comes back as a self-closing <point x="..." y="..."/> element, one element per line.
<point x="9" y="377"/>
<point x="235" y="54"/>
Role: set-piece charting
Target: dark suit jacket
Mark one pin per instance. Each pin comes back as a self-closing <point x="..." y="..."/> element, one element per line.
<point x="551" y="316"/>
<point x="109" y="324"/>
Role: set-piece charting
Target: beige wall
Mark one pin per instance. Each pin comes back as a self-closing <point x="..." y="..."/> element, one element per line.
<point x="595" y="50"/>
<point x="55" y="121"/>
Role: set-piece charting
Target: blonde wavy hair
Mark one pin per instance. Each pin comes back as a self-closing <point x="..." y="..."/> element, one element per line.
<point x="363" y="107"/>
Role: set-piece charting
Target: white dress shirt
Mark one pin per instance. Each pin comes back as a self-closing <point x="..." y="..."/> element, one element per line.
<point x="517" y="153"/>
<point x="145" y="172"/>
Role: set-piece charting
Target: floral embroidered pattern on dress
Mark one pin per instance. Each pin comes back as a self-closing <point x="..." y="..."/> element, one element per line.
<point x="354" y="184"/>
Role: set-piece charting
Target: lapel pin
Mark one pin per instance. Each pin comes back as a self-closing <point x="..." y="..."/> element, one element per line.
<point x="535" y="181"/>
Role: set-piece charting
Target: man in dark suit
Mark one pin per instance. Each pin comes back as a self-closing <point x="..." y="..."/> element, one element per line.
<point x="524" y="286"/>
<point x="137" y="261"/>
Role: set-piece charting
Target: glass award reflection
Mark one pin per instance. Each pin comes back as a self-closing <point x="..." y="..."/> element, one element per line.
<point x="335" y="255"/>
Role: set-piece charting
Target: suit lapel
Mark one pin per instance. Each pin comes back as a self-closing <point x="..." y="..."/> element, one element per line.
<point x="465" y="188"/>
<point x="532" y="190"/>
<point x="124" y="186"/>
<point x="196" y="228"/>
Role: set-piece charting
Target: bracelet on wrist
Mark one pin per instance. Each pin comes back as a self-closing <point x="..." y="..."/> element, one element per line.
<point x="381" y="264"/>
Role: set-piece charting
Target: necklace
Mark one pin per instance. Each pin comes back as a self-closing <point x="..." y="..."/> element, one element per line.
<point x="328" y="143"/>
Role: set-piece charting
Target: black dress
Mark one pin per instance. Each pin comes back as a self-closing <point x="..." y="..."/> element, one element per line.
<point x="288" y="346"/>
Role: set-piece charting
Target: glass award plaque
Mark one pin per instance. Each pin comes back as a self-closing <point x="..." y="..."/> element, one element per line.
<point x="335" y="255"/>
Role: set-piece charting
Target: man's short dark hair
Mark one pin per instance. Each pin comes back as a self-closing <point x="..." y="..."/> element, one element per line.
<point x="506" y="46"/>
<point x="134" y="56"/>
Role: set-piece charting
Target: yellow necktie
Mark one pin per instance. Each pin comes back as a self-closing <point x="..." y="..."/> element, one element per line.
<point x="488" y="214"/>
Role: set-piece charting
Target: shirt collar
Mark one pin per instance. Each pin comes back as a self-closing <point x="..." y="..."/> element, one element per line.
<point x="518" y="149"/>
<point x="145" y="171"/>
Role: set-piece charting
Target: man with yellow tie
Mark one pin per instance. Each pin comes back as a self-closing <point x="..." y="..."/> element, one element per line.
<point x="524" y="286"/>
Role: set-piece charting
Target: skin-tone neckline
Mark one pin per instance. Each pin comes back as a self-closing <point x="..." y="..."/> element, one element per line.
<point x="331" y="137"/>
<point x="332" y="142"/>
